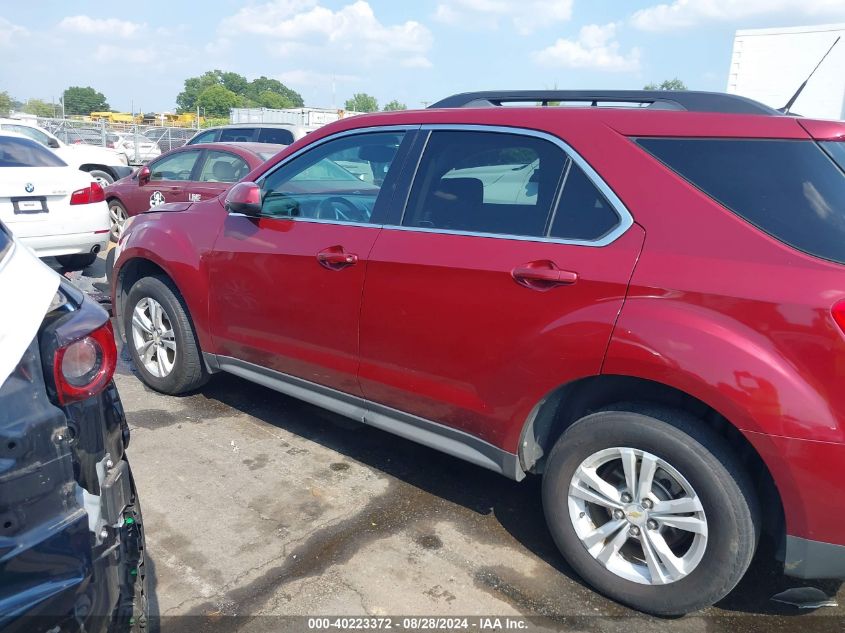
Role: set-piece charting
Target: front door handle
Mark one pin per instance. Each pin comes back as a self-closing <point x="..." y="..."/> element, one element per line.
<point x="335" y="258"/>
<point x="543" y="275"/>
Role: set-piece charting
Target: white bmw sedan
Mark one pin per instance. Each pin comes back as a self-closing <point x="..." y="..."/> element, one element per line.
<point x="54" y="209"/>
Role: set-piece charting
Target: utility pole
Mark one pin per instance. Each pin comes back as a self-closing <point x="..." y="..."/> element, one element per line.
<point x="63" y="104"/>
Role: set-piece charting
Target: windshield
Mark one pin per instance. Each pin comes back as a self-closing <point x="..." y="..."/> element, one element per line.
<point x="23" y="152"/>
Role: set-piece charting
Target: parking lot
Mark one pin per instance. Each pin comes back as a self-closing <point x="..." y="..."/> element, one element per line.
<point x="256" y="504"/>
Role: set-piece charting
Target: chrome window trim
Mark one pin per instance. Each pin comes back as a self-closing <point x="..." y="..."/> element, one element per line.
<point x="625" y="217"/>
<point x="317" y="143"/>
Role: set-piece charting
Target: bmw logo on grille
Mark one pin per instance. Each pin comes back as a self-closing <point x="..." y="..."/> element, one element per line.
<point x="29" y="187"/>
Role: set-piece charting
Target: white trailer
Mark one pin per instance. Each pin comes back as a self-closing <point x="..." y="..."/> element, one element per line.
<point x="312" y="117"/>
<point x="769" y="65"/>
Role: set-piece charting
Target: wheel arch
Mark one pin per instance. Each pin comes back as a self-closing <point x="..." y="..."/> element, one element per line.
<point x="94" y="166"/>
<point x="140" y="265"/>
<point x="572" y="401"/>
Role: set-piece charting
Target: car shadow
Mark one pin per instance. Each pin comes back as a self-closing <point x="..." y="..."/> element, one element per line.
<point x="515" y="506"/>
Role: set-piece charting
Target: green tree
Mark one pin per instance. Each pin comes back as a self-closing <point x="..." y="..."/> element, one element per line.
<point x="41" y="108"/>
<point x="395" y="105"/>
<point x="186" y="101"/>
<point x="274" y="100"/>
<point x="258" y="87"/>
<point x="233" y="81"/>
<point x="5" y="103"/>
<point x="253" y="93"/>
<point x="667" y="84"/>
<point x="217" y="101"/>
<point x="362" y="102"/>
<point x="84" y="100"/>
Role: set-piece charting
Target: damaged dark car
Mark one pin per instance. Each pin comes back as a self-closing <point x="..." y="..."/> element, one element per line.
<point x="71" y="532"/>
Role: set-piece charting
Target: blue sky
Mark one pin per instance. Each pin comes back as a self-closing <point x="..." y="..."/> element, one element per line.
<point x="416" y="52"/>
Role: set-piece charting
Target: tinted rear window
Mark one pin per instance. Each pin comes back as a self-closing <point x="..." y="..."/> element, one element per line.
<point x="23" y="152"/>
<point x="789" y="189"/>
<point x="836" y="149"/>
<point x="280" y="136"/>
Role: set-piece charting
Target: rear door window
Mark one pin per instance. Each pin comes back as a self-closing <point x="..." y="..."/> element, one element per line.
<point x="791" y="189"/>
<point x="279" y="136"/>
<point x="223" y="167"/>
<point x="485" y="182"/>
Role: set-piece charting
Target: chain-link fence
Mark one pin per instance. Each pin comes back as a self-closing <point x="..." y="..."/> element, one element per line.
<point x="139" y="143"/>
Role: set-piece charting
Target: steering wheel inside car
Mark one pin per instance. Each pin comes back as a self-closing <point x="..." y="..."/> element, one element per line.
<point x="340" y="209"/>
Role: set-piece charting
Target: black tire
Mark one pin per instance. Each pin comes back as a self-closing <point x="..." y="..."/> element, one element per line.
<point x="80" y="261"/>
<point x="710" y="467"/>
<point x="188" y="371"/>
<point x="104" y="178"/>
<point x="109" y="264"/>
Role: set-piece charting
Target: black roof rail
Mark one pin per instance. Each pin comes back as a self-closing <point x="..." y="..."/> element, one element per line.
<point x="687" y="100"/>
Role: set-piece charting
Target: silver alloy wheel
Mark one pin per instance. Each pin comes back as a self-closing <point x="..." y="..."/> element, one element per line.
<point x="153" y="337"/>
<point x="103" y="182"/>
<point x="638" y="516"/>
<point x="117" y="217"/>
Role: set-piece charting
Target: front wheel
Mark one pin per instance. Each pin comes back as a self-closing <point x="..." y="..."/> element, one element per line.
<point x="160" y="337"/>
<point x="117" y="219"/>
<point x="651" y="508"/>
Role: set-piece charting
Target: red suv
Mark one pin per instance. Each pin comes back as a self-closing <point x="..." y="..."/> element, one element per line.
<point x="645" y="305"/>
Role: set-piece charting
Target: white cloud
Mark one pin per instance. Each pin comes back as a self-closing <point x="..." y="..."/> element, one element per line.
<point x="596" y="48"/>
<point x="526" y="16"/>
<point x="9" y="31"/>
<point x="351" y="36"/>
<point x="687" y="13"/>
<point x="99" y="26"/>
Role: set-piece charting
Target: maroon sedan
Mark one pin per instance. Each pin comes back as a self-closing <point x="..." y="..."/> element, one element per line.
<point x="187" y="174"/>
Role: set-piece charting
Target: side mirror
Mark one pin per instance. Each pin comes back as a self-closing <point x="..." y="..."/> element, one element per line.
<point x="244" y="197"/>
<point x="54" y="143"/>
<point x="143" y="175"/>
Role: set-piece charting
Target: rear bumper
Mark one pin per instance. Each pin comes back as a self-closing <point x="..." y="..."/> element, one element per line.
<point x="809" y="479"/>
<point x="69" y="244"/>
<point x="813" y="559"/>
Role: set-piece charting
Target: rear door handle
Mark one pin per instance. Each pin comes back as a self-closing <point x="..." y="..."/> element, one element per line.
<point x="542" y="275"/>
<point x="335" y="258"/>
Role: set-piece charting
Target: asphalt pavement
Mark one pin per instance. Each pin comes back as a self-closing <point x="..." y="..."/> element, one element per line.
<point x="257" y="506"/>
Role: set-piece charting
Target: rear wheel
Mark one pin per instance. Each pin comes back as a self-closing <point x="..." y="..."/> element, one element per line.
<point x="102" y="178"/>
<point x="651" y="508"/>
<point x="161" y="338"/>
<point x="79" y="261"/>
